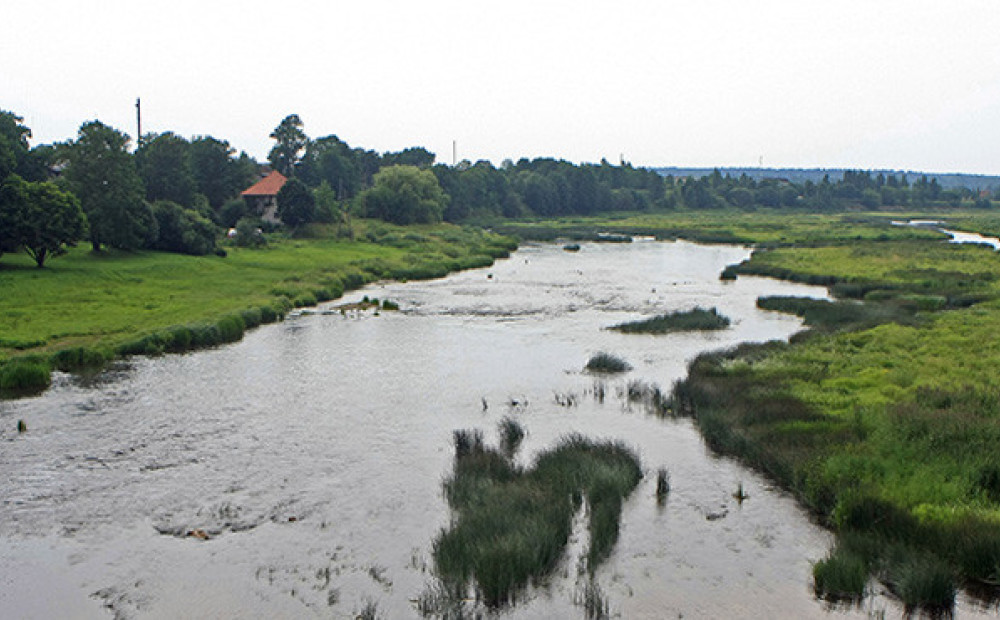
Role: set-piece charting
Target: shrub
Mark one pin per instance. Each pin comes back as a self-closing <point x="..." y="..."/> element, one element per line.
<point x="230" y="328"/>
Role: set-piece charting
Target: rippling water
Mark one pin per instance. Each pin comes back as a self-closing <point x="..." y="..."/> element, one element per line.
<point x="311" y="454"/>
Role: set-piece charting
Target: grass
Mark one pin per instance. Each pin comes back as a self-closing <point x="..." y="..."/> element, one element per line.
<point x="512" y="524"/>
<point x="109" y="303"/>
<point x="511" y="435"/>
<point x="607" y="363"/>
<point x="686" y="320"/>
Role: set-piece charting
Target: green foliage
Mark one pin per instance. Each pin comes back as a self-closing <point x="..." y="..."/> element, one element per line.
<point x="164" y="163"/>
<point x="688" y="320"/>
<point x="102" y="174"/>
<point x="289" y="142"/>
<point x="77" y="358"/>
<point x="513" y="525"/>
<point x="511" y="434"/>
<point x="296" y="204"/>
<point x="603" y="362"/>
<point x="248" y="233"/>
<point x="38" y="217"/>
<point x="24" y="374"/>
<point x="182" y="230"/>
<point x="843" y="574"/>
<point x="405" y="195"/>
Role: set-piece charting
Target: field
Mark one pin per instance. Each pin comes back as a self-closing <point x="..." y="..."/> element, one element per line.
<point x="108" y="302"/>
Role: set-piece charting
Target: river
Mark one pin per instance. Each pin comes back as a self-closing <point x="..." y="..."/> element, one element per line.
<point x="311" y="454"/>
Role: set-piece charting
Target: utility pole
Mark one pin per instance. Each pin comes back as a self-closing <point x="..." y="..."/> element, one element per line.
<point x="138" y="122"/>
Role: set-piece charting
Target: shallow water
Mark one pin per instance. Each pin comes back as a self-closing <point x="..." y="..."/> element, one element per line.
<point x="312" y="454"/>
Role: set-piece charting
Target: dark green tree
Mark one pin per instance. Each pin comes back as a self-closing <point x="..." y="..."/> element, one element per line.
<point x="164" y="163"/>
<point x="405" y="195"/>
<point x="13" y="143"/>
<point x="218" y="174"/>
<point x="38" y="217"/>
<point x="296" y="204"/>
<point x="181" y="230"/>
<point x="291" y="140"/>
<point x="102" y="174"/>
<point x="414" y="156"/>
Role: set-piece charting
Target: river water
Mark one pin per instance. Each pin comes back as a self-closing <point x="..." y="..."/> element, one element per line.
<point x="311" y="454"/>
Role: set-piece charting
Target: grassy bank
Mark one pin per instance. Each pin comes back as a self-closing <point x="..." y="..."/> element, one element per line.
<point x="696" y="319"/>
<point x="85" y="308"/>
<point x="885" y="420"/>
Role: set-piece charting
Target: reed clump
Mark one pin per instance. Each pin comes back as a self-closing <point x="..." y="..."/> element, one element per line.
<point x="696" y="319"/>
<point x="23" y="374"/>
<point x="607" y="363"/>
<point x="512" y="524"/>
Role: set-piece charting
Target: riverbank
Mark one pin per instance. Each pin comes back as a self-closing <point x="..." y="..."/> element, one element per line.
<point x="85" y="308"/>
<point x="883" y="418"/>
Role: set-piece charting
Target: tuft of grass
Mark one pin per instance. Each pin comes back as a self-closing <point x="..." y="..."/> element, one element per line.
<point x="593" y="600"/>
<point x="467" y="442"/>
<point x="607" y="363"/>
<point x="842" y="575"/>
<point x="922" y="583"/>
<point x="698" y="319"/>
<point x="511" y="435"/>
<point x="512" y="525"/>
<point x="662" y="483"/>
<point x="25" y="374"/>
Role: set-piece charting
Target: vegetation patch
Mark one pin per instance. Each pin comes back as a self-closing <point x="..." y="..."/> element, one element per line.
<point x="682" y="320"/>
<point x="512" y="524"/>
<point x="22" y="375"/>
<point x="607" y="363"/>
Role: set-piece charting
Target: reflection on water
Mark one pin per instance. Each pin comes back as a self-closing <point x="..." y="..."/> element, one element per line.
<point x="298" y="472"/>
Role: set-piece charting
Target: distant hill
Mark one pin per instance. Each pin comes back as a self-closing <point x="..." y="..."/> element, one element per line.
<point x="801" y="175"/>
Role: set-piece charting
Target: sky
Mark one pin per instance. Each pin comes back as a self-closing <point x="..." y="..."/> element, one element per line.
<point x="874" y="84"/>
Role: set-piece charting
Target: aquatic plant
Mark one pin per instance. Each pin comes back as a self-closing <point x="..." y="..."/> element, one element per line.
<point x="607" y="363"/>
<point x="512" y="525"/>
<point x="843" y="574"/>
<point x="593" y="600"/>
<point x="27" y="373"/>
<point x="697" y="319"/>
<point x="511" y="435"/>
<point x="467" y="442"/>
<point x="662" y="483"/>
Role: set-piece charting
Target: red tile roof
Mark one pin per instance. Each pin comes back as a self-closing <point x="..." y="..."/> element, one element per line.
<point x="268" y="186"/>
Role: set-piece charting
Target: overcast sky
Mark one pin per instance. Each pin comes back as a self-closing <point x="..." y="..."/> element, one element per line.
<point x="862" y="84"/>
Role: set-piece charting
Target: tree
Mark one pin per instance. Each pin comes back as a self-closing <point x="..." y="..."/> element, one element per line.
<point x="164" y="164"/>
<point x="181" y="230"/>
<point x="414" y="156"/>
<point x="290" y="142"/>
<point x="296" y="204"/>
<point x="217" y="173"/>
<point x="102" y="174"/>
<point x="13" y="143"/>
<point x="406" y="195"/>
<point x="38" y="217"/>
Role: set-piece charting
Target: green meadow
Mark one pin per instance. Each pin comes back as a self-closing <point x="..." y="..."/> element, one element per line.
<point x="107" y="303"/>
<point x="883" y="418"/>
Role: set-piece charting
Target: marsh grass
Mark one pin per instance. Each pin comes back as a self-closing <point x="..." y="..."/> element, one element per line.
<point x="607" y="363"/>
<point x="696" y="319"/>
<point x="593" y="600"/>
<point x="830" y="315"/>
<point x="842" y="575"/>
<point x="511" y="435"/>
<point x="23" y="375"/>
<point x="662" y="484"/>
<point x="512" y="525"/>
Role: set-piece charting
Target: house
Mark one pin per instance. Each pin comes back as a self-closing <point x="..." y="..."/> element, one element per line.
<point x="262" y="196"/>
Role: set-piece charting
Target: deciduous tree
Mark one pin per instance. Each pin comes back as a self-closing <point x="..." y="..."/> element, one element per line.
<point x="38" y="217"/>
<point x="406" y="195"/>
<point x="102" y="174"/>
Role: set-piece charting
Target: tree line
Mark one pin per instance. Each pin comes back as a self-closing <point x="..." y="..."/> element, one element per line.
<point x="177" y="194"/>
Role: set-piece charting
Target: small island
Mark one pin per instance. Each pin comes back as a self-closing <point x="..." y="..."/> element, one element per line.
<point x="697" y="319"/>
